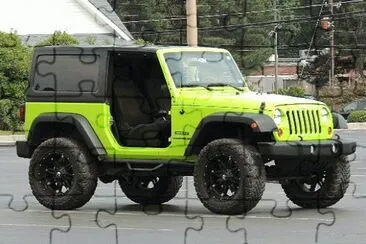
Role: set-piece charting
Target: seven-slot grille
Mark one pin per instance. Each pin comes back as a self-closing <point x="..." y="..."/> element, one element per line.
<point x="304" y="122"/>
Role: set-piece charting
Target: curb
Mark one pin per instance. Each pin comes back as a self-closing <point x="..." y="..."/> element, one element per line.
<point x="7" y="143"/>
<point x="356" y="126"/>
<point x="9" y="140"/>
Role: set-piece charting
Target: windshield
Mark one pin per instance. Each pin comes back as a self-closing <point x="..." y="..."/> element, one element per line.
<point x="190" y="69"/>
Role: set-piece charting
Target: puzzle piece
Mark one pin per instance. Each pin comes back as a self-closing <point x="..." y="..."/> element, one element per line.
<point x="85" y="224"/>
<point x="116" y="223"/>
<point x="19" y="209"/>
<point x="151" y="219"/>
<point x="284" y="214"/>
<point x="113" y="212"/>
<point x="53" y="230"/>
<point x="108" y="9"/>
<point x="357" y="187"/>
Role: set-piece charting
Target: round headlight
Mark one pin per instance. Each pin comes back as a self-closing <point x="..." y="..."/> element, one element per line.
<point x="324" y="114"/>
<point x="277" y="117"/>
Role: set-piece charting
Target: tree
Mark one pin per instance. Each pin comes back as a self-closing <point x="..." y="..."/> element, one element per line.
<point x="15" y="61"/>
<point x="316" y="72"/>
<point x="154" y="21"/>
<point x="350" y="36"/>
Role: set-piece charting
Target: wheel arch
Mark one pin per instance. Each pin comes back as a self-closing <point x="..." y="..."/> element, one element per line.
<point x="76" y="126"/>
<point x="231" y="125"/>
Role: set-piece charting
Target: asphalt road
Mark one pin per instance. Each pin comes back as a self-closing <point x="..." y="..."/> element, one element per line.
<point x="109" y="219"/>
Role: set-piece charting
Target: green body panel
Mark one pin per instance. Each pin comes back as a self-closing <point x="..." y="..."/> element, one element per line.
<point x="189" y="107"/>
<point x="99" y="117"/>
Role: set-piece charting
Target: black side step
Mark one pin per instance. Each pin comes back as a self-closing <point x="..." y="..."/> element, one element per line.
<point x="119" y="168"/>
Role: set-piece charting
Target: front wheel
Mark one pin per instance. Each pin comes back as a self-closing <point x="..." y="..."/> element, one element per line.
<point x="229" y="177"/>
<point x="323" y="189"/>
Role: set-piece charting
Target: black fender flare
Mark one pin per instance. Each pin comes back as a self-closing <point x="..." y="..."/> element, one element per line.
<point x="264" y="123"/>
<point x="339" y="122"/>
<point x="81" y="124"/>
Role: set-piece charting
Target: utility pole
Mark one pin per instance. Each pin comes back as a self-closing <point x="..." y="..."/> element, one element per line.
<point x="276" y="59"/>
<point x="331" y="81"/>
<point x="192" y="35"/>
<point x="276" y="47"/>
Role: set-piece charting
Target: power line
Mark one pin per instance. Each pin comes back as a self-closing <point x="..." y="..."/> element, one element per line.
<point x="178" y="18"/>
<point x="269" y="23"/>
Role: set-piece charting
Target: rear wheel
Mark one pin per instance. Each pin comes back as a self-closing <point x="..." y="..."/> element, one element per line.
<point x="323" y="189"/>
<point x="229" y="177"/>
<point x="62" y="174"/>
<point x="151" y="189"/>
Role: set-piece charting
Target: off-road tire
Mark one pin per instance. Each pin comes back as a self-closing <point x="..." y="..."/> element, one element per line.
<point x="251" y="175"/>
<point x="165" y="189"/>
<point x="334" y="187"/>
<point x="78" y="167"/>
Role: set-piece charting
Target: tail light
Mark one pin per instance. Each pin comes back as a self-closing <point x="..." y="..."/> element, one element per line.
<point x="22" y="112"/>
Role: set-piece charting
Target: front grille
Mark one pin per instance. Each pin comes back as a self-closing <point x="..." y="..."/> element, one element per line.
<point x="303" y="122"/>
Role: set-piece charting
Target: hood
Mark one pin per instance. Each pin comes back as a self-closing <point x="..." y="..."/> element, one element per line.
<point x="235" y="99"/>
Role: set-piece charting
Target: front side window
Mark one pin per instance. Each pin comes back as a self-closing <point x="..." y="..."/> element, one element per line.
<point x="66" y="73"/>
<point x="203" y="68"/>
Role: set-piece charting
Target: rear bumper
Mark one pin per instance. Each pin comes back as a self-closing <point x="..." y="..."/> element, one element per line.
<point x="312" y="149"/>
<point x="24" y="150"/>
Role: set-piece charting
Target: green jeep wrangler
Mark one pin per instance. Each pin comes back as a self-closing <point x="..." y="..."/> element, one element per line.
<point x="149" y="115"/>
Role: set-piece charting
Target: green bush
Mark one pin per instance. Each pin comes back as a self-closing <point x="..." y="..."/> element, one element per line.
<point x="9" y="115"/>
<point x="357" y="116"/>
<point x="293" y="91"/>
<point x="59" y="38"/>
<point x="15" y="59"/>
<point x="9" y="40"/>
<point x="91" y="40"/>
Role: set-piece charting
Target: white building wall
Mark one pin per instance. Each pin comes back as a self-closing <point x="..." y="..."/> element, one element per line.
<point x="46" y="16"/>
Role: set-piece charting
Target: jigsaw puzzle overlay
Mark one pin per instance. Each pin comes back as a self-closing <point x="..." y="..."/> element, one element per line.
<point x="250" y="30"/>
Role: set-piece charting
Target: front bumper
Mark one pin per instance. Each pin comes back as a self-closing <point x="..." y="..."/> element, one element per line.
<point x="312" y="149"/>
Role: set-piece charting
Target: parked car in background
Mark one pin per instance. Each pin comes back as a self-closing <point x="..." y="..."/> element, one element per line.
<point x="353" y="106"/>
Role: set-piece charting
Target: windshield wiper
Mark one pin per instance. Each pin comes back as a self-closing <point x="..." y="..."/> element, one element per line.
<point x="224" y="84"/>
<point x="196" y="85"/>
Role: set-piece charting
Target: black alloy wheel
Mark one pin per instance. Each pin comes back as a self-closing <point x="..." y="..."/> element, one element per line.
<point x="222" y="177"/>
<point x="56" y="173"/>
<point x="229" y="176"/>
<point x="62" y="174"/>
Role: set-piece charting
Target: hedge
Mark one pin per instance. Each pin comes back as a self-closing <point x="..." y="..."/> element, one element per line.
<point x="15" y="59"/>
<point x="357" y="116"/>
<point x="293" y="91"/>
